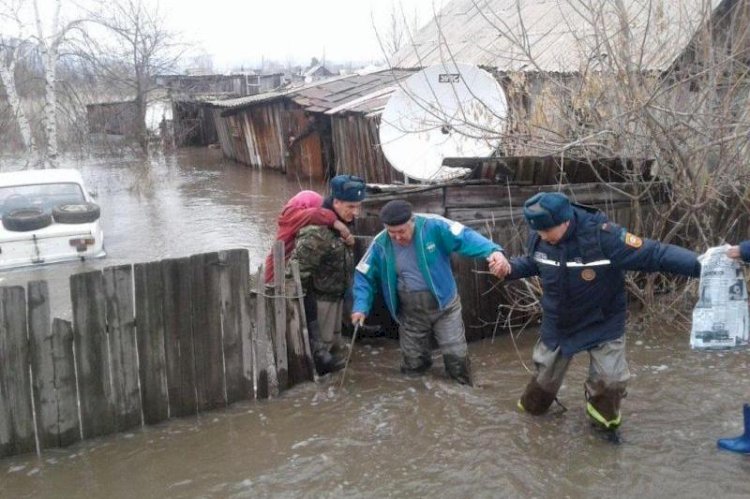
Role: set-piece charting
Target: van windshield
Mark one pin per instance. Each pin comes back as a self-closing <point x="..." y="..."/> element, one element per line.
<point x="43" y="196"/>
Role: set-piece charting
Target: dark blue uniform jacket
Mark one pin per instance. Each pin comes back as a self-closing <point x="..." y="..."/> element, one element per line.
<point x="583" y="278"/>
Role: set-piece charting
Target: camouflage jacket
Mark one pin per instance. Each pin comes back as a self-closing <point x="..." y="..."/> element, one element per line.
<point x="326" y="264"/>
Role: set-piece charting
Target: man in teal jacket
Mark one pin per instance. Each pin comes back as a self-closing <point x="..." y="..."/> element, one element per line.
<point x="417" y="283"/>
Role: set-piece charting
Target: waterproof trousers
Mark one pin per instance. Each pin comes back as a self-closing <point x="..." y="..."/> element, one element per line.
<point x="420" y="320"/>
<point x="604" y="387"/>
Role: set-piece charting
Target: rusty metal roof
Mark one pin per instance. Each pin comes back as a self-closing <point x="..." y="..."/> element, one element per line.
<point x="558" y="35"/>
<point x="324" y="95"/>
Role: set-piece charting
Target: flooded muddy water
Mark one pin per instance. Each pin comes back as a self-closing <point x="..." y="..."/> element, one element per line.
<point x="382" y="435"/>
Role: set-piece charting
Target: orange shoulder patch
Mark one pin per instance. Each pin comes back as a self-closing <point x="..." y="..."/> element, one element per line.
<point x="633" y="241"/>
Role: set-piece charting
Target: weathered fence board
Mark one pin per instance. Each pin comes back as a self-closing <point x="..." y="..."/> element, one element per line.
<point x="311" y="375"/>
<point x="234" y="273"/>
<point x="149" y="300"/>
<point x="267" y="382"/>
<point x="16" y="420"/>
<point x="279" y="306"/>
<point x="147" y="342"/>
<point x="178" y="336"/>
<point x="249" y="344"/>
<point x="53" y="372"/>
<point x="92" y="354"/>
<point x="118" y="289"/>
<point x="248" y="318"/>
<point x="206" y="306"/>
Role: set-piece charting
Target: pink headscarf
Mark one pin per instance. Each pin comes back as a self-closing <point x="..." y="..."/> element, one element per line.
<point x="303" y="200"/>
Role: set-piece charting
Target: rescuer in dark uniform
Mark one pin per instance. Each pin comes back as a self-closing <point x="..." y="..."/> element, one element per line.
<point x="581" y="258"/>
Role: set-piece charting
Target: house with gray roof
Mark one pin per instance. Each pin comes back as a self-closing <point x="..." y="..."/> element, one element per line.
<point x="580" y="74"/>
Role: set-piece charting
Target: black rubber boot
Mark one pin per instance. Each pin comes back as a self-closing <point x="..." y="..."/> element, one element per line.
<point x="415" y="366"/>
<point x="604" y="408"/>
<point x="324" y="362"/>
<point x="458" y="368"/>
<point x="535" y="399"/>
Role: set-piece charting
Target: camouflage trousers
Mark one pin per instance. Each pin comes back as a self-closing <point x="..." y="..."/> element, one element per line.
<point x="330" y="315"/>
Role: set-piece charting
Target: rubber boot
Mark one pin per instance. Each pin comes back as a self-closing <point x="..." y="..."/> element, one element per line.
<point x="535" y="399"/>
<point x="739" y="444"/>
<point x="324" y="362"/>
<point x="458" y="368"/>
<point x="604" y="408"/>
<point x="415" y="366"/>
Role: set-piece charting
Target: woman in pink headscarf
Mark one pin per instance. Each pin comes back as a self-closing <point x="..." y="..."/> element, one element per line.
<point x="305" y="208"/>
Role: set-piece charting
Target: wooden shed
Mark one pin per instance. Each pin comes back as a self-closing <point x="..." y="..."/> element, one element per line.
<point x="293" y="131"/>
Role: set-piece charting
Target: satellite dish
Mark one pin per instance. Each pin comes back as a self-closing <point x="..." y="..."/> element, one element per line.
<point x="444" y="111"/>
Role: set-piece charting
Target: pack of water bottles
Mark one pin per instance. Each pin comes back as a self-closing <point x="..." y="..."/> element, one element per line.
<point x="720" y="317"/>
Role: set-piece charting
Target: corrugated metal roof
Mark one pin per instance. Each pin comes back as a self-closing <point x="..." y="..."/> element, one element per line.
<point x="324" y="95"/>
<point x="374" y="101"/>
<point x="330" y="95"/>
<point x="558" y="34"/>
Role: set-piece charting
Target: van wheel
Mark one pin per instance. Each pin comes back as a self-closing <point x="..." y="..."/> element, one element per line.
<point x="78" y="213"/>
<point x="26" y="219"/>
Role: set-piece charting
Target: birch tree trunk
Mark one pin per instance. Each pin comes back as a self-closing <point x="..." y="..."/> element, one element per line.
<point x="7" y="76"/>
<point x="49" y="50"/>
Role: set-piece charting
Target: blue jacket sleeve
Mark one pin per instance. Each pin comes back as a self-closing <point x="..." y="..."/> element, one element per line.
<point x="745" y="250"/>
<point x="522" y="266"/>
<point x="366" y="280"/>
<point x="465" y="241"/>
<point x="630" y="252"/>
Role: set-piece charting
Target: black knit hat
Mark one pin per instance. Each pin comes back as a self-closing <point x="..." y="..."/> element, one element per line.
<point x="395" y="212"/>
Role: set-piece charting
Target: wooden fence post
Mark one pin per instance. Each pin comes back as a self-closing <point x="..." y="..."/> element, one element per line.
<point x="178" y="336"/>
<point x="307" y="364"/>
<point x="149" y="299"/>
<point x="268" y="384"/>
<point x="234" y="275"/>
<point x="279" y="307"/>
<point x="118" y="290"/>
<point x="92" y="354"/>
<point x="53" y="372"/>
<point x="206" y="308"/>
<point x="16" y="419"/>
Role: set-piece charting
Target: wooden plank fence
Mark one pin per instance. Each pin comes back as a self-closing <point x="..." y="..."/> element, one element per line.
<point x="148" y="342"/>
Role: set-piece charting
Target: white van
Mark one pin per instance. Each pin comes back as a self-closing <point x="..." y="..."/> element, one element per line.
<point x="47" y="216"/>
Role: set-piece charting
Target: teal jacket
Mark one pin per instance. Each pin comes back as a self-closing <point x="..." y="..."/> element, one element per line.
<point x="435" y="238"/>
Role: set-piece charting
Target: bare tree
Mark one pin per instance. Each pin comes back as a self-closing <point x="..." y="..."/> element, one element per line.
<point x="134" y="47"/>
<point x="397" y="30"/>
<point x="45" y="36"/>
<point x="663" y="81"/>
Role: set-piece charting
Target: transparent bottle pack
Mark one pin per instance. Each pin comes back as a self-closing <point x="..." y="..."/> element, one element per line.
<point x="720" y="317"/>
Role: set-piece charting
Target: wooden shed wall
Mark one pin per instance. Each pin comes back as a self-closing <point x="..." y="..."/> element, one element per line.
<point x="224" y="133"/>
<point x="357" y="149"/>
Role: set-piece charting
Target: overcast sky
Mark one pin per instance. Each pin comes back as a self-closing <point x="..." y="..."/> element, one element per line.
<point x="243" y="32"/>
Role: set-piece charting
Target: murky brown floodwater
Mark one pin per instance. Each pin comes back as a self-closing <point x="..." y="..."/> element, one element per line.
<point x="382" y="435"/>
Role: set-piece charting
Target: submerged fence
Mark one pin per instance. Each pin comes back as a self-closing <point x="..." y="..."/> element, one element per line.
<point x="147" y="342"/>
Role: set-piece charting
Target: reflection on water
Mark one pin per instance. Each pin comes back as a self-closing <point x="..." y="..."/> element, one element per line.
<point x="382" y="434"/>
